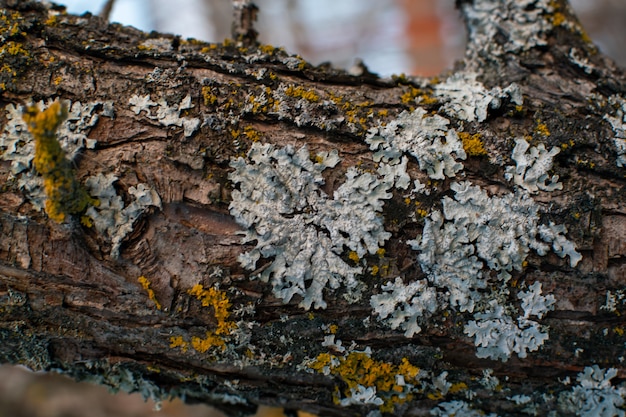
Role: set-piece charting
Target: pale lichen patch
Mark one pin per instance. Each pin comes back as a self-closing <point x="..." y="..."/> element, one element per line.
<point x="111" y="217"/>
<point x="280" y="203"/>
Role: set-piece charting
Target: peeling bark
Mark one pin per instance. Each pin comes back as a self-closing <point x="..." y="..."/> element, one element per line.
<point x="184" y="110"/>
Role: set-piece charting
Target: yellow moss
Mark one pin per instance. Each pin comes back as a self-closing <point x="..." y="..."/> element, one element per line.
<point x="472" y="144"/>
<point x="65" y="195"/>
<point x="358" y="368"/>
<point x="146" y="286"/>
<point x="300" y="92"/>
<point x="542" y="129"/>
<point x="52" y="20"/>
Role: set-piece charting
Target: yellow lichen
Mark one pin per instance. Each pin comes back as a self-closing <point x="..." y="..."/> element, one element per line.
<point x="353" y="256"/>
<point x="375" y="270"/>
<point x="252" y="134"/>
<point x="472" y="144"/>
<point x="218" y="300"/>
<point x="146" y="286"/>
<point x="208" y="95"/>
<point x="65" y="195"/>
<point x="542" y="129"/>
<point x="359" y="368"/>
<point x="300" y="92"/>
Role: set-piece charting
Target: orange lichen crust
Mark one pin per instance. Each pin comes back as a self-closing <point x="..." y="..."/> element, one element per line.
<point x="219" y="301"/>
<point x="65" y="195"/>
<point x="146" y="286"/>
<point x="392" y="382"/>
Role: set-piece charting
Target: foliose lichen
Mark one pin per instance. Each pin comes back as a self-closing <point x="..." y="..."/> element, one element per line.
<point x="521" y="25"/>
<point x="475" y="232"/>
<point x="466" y="98"/>
<point x="595" y="394"/>
<point x="110" y="216"/>
<point x="166" y="115"/>
<point x="532" y="166"/>
<point x="280" y="203"/>
<point x="64" y="194"/>
<point x="618" y="122"/>
<point x="18" y="144"/>
<point x="434" y="145"/>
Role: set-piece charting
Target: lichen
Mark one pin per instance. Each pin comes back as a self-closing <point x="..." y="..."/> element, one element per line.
<point x="497" y="28"/>
<point x="618" y="122"/>
<point x="457" y="408"/>
<point x="595" y="394"/>
<point x="18" y="145"/>
<point x="428" y="139"/>
<point x="466" y="98"/>
<point x="279" y="202"/>
<point x="110" y="217"/>
<point x="64" y="193"/>
<point x="145" y="284"/>
<point x="218" y="301"/>
<point x="167" y="115"/>
<point x="474" y="232"/>
<point x="472" y="144"/>
<point x="532" y="166"/>
<point x="369" y="381"/>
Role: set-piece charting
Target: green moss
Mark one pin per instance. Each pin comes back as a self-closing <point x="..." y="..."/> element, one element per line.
<point x="65" y="195"/>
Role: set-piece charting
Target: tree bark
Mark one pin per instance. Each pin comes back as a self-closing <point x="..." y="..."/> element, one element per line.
<point x="177" y="124"/>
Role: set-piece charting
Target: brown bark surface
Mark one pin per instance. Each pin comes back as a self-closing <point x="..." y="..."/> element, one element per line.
<point x="67" y="304"/>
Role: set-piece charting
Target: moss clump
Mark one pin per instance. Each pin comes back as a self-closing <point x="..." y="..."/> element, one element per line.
<point x="65" y="195"/>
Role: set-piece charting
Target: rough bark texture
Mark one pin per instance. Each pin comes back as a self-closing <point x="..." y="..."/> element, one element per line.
<point x="69" y="304"/>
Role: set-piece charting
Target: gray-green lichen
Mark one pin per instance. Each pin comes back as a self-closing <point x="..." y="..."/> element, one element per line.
<point x="110" y="216"/>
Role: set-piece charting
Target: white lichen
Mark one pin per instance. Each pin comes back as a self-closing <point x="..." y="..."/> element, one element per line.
<point x="166" y="115"/>
<point x="110" y="217"/>
<point x="595" y="395"/>
<point x="497" y="336"/>
<point x="497" y="27"/>
<point x="18" y="146"/>
<point x="532" y="166"/>
<point x="618" y="122"/>
<point x="401" y="305"/>
<point x="476" y="233"/>
<point x="362" y="396"/>
<point x="457" y="409"/>
<point x="428" y="139"/>
<point x="466" y="98"/>
<point x="302" y="230"/>
<point x="613" y="299"/>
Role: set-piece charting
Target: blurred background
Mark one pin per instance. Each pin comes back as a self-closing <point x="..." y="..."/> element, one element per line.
<point x="418" y="37"/>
